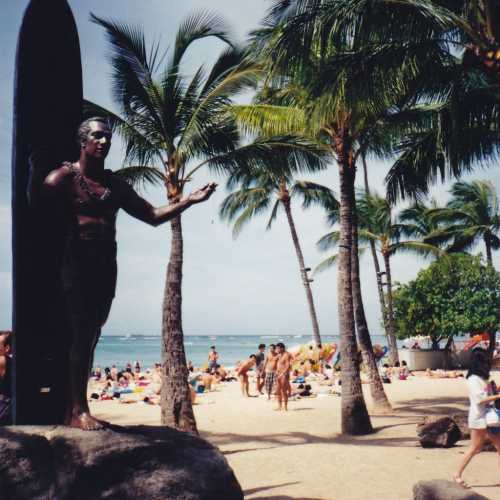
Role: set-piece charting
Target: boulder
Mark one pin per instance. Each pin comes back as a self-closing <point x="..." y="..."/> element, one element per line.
<point x="438" y="432"/>
<point x="121" y="463"/>
<point x="440" y="489"/>
<point x="461" y="419"/>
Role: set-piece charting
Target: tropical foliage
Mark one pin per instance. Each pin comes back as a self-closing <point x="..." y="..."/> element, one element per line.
<point x="471" y="216"/>
<point x="455" y="295"/>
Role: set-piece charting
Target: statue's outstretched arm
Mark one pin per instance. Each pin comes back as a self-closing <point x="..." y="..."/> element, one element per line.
<point x="141" y="209"/>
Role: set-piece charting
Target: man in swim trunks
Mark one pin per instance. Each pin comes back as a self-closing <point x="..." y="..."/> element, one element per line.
<point x="283" y="368"/>
<point x="270" y="370"/>
<point x="242" y="374"/>
<point x="92" y="198"/>
<point x="213" y="356"/>
<point x="260" y="356"/>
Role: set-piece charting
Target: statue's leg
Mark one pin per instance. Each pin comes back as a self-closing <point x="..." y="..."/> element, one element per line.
<point x="84" y="336"/>
<point x="89" y="295"/>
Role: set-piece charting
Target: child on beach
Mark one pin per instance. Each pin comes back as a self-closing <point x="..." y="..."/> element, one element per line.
<point x="480" y="402"/>
<point x="5" y="378"/>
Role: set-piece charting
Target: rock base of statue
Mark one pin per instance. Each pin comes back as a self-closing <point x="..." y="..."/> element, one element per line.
<point x="57" y="462"/>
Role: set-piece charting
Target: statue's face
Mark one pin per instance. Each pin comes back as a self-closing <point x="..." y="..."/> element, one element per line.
<point x="98" y="140"/>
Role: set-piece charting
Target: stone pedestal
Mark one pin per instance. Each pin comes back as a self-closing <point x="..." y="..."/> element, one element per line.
<point x="150" y="463"/>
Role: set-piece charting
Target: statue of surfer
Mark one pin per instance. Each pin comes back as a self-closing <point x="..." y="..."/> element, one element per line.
<point x="92" y="197"/>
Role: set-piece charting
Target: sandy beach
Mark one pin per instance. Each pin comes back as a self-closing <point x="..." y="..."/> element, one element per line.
<point x="301" y="455"/>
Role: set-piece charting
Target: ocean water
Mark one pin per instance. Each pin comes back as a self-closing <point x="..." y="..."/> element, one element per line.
<point x="231" y="348"/>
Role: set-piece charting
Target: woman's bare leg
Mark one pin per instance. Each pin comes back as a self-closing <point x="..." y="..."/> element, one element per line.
<point x="495" y="439"/>
<point x="478" y="437"/>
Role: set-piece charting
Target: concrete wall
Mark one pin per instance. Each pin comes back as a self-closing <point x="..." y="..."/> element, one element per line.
<point x="421" y="359"/>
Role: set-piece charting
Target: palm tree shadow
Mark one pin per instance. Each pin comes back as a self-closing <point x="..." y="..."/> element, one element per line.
<point x="251" y="491"/>
<point x="426" y="407"/>
<point x="287" y="497"/>
<point x="302" y="438"/>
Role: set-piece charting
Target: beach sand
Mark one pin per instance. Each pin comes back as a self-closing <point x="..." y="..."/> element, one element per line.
<point x="301" y="455"/>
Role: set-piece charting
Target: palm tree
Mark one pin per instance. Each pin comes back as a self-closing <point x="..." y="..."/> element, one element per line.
<point x="378" y="224"/>
<point x="173" y="126"/>
<point x="472" y="215"/>
<point x="448" y="48"/>
<point x="266" y="187"/>
<point x="339" y="104"/>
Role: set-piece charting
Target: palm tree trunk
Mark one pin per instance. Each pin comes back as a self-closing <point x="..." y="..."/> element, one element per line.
<point x="355" y="418"/>
<point x="391" y="332"/>
<point x="489" y="256"/>
<point x="379" y="397"/>
<point x="303" y="272"/>
<point x="176" y="407"/>
<point x="376" y="264"/>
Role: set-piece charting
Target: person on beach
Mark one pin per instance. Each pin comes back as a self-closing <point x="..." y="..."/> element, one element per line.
<point x="260" y="357"/>
<point x="481" y="400"/>
<point x="242" y="374"/>
<point x="270" y="370"/>
<point x="91" y="197"/>
<point x="283" y="367"/>
<point x="213" y="356"/>
<point x="5" y="377"/>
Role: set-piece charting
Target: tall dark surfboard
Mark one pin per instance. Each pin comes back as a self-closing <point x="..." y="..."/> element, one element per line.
<point x="47" y="110"/>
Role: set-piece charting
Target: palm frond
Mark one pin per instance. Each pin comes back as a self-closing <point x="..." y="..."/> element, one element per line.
<point x="315" y="194"/>
<point x="326" y="264"/>
<point x="140" y="176"/>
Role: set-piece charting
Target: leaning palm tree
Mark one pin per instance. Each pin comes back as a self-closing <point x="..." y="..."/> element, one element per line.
<point x="275" y="187"/>
<point x="172" y="127"/>
<point x="378" y="224"/>
<point x="472" y="215"/>
<point x="315" y="46"/>
<point x="340" y="103"/>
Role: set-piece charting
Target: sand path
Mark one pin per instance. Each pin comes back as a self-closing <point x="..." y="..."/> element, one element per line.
<point x="300" y="454"/>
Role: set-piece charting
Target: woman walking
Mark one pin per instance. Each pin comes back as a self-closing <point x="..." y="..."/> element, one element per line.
<point x="481" y="401"/>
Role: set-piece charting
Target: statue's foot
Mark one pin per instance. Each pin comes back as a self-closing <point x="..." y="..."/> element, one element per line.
<point x="86" y="422"/>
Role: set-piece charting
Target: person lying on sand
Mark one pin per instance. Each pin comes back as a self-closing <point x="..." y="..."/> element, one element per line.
<point x="443" y="373"/>
<point x="242" y="374"/>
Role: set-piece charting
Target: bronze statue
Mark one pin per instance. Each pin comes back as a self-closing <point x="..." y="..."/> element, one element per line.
<point x="92" y="196"/>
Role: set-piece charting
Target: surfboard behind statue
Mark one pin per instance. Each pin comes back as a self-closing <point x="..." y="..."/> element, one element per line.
<point x="47" y="111"/>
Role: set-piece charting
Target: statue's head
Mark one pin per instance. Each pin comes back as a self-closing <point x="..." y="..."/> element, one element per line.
<point x="94" y="136"/>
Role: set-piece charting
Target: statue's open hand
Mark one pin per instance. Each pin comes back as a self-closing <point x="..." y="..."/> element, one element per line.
<point x="203" y="194"/>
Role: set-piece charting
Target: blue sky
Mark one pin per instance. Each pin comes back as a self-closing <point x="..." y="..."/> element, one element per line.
<point x="246" y="286"/>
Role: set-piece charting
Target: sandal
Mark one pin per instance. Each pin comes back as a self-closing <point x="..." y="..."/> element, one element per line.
<point x="461" y="482"/>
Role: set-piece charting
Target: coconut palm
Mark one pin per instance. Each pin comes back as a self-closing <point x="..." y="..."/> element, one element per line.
<point x="450" y="48"/>
<point x="267" y="187"/>
<point x="173" y="126"/>
<point x="403" y="26"/>
<point x="473" y="216"/>
<point x="341" y="103"/>
<point x="378" y="224"/>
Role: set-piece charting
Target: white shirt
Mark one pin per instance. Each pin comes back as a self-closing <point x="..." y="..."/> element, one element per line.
<point x="478" y="390"/>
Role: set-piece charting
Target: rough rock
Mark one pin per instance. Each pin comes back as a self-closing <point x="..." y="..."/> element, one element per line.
<point x="440" y="489"/>
<point x="151" y="463"/>
<point x="461" y="419"/>
<point x="438" y="432"/>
